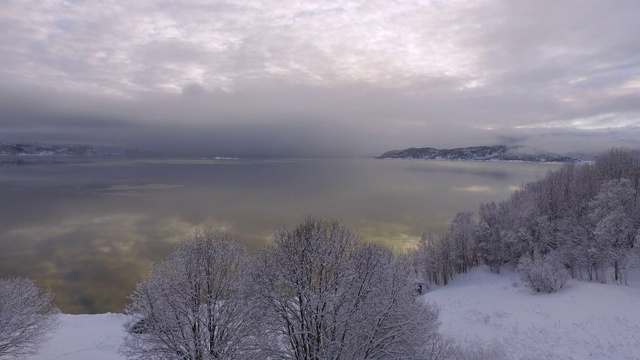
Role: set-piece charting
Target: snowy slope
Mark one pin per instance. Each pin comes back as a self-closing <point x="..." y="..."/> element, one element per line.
<point x="84" y="337"/>
<point x="582" y="321"/>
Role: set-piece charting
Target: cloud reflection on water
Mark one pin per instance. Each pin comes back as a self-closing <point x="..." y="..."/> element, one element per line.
<point x="64" y="228"/>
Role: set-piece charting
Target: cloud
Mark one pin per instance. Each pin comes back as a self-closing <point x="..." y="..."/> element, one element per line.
<point x="319" y="78"/>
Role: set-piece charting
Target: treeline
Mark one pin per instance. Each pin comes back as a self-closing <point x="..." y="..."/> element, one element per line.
<point x="583" y="219"/>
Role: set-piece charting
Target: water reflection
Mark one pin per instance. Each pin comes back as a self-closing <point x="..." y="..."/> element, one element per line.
<point x="90" y="229"/>
<point x="477" y="189"/>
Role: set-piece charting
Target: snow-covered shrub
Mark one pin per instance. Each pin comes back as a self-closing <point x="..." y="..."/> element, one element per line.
<point x="544" y="273"/>
<point x="478" y="351"/>
<point x="440" y="347"/>
<point x="27" y="317"/>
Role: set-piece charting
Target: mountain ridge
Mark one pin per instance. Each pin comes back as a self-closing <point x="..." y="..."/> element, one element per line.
<point x="80" y="150"/>
<point x="476" y="153"/>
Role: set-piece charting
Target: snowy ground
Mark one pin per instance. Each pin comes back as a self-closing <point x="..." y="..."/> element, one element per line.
<point x="85" y="337"/>
<point x="581" y="321"/>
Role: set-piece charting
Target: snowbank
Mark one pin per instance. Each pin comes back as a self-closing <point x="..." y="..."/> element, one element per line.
<point x="582" y="321"/>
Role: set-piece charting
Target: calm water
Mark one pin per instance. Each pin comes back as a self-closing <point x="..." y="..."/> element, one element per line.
<point x="89" y="229"/>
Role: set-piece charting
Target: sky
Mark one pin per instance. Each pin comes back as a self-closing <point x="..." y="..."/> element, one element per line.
<point x="322" y="78"/>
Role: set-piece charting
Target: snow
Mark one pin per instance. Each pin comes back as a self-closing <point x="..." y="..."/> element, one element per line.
<point x="82" y="337"/>
<point x="581" y="321"/>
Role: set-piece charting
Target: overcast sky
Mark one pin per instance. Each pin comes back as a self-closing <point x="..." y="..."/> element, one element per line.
<point x="320" y="78"/>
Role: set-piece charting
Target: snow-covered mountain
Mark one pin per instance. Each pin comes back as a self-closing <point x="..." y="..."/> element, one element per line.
<point x="59" y="150"/>
<point x="477" y="153"/>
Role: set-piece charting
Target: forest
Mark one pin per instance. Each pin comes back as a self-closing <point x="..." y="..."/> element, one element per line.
<point x="581" y="221"/>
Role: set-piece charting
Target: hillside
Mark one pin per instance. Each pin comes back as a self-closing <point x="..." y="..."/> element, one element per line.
<point x="476" y="153"/>
<point x="584" y="320"/>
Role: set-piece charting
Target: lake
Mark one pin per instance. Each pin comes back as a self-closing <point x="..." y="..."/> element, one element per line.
<point x="89" y="228"/>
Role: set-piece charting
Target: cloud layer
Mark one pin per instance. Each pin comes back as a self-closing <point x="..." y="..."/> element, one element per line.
<point x="330" y="78"/>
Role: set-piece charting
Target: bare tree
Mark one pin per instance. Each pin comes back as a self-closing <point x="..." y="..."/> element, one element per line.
<point x="435" y="258"/>
<point x="325" y="295"/>
<point x="192" y="305"/>
<point x="27" y="317"/>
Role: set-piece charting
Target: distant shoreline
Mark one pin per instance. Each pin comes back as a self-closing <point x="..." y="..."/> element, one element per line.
<point x="500" y="153"/>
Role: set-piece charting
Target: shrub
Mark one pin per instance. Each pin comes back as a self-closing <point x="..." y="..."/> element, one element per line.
<point x="27" y="317"/>
<point x="543" y="273"/>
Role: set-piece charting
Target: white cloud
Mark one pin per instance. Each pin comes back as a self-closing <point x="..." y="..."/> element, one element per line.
<point x="601" y="121"/>
<point x="162" y="45"/>
<point x="381" y="73"/>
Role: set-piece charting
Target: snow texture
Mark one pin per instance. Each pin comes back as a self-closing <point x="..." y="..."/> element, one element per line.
<point x="583" y="320"/>
<point x="82" y="337"/>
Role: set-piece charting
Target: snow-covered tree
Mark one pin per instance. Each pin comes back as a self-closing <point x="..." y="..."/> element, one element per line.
<point x="619" y="163"/>
<point x="490" y="236"/>
<point x="192" y="306"/>
<point x="435" y="258"/>
<point x="574" y="236"/>
<point x="326" y="295"/>
<point x="574" y="212"/>
<point x="27" y="317"/>
<point x="612" y="213"/>
<point x="461" y="234"/>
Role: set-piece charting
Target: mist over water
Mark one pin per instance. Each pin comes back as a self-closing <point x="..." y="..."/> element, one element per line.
<point x="90" y="228"/>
